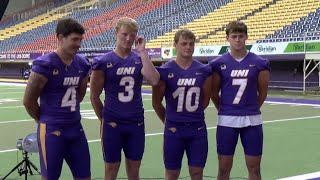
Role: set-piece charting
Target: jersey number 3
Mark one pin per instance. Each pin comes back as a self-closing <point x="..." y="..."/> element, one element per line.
<point x="128" y="83"/>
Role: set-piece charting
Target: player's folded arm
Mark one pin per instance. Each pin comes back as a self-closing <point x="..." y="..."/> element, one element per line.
<point x="33" y="91"/>
<point x="157" y="97"/>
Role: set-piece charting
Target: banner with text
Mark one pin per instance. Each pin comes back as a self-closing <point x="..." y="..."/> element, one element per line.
<point x="19" y="56"/>
<point x="281" y="48"/>
<point x="152" y="52"/>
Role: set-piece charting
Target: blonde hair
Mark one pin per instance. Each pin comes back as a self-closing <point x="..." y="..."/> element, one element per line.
<point x="127" y="22"/>
<point x="185" y="33"/>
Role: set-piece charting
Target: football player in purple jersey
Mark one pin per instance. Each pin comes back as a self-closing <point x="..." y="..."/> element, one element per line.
<point x="186" y="85"/>
<point x="60" y="80"/>
<point x="242" y="79"/>
<point x="120" y="73"/>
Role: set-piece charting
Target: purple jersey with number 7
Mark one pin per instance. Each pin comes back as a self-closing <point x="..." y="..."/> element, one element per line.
<point x="239" y="83"/>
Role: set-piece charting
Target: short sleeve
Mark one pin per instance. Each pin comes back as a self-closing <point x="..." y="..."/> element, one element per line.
<point x="264" y="64"/>
<point x="98" y="64"/>
<point x="161" y="71"/>
<point x="42" y="67"/>
<point x="85" y="64"/>
<point x="215" y="66"/>
<point x="207" y="71"/>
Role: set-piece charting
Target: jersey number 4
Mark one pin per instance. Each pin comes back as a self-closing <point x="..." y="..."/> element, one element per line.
<point x="70" y="98"/>
<point x="185" y="98"/>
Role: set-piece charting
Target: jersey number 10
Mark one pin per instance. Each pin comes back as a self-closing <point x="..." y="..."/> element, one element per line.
<point x="185" y="98"/>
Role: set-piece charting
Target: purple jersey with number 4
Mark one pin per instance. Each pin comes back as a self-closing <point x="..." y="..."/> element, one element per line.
<point x="239" y="83"/>
<point x="59" y="102"/>
<point x="184" y="91"/>
<point x="123" y="81"/>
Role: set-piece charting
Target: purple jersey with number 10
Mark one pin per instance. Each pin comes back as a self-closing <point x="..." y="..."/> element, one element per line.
<point x="184" y="91"/>
<point x="59" y="102"/>
<point x="239" y="83"/>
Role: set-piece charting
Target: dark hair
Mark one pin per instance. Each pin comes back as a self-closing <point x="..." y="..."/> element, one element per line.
<point x="185" y="33"/>
<point x="67" y="26"/>
<point x="236" y="27"/>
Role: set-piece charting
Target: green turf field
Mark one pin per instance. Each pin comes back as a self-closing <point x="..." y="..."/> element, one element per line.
<point x="291" y="139"/>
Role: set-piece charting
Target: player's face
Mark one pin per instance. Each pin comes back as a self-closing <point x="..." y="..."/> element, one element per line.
<point x="126" y="37"/>
<point x="184" y="47"/>
<point x="237" y="41"/>
<point x="71" y="43"/>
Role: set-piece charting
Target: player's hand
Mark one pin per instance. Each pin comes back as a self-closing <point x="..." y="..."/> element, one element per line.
<point x="140" y="44"/>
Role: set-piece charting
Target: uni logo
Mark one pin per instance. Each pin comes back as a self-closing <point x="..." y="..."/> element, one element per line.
<point x="125" y="70"/>
<point x="70" y="81"/>
<point x="186" y="81"/>
<point x="239" y="73"/>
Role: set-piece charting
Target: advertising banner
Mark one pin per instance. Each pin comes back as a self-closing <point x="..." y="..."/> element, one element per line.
<point x="298" y="47"/>
<point x="269" y="48"/>
<point x="152" y="52"/>
<point x="19" y="56"/>
<point x="204" y="51"/>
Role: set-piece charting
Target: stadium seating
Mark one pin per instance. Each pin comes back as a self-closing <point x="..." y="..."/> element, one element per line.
<point x="306" y="28"/>
<point x="271" y="20"/>
<point x="262" y="17"/>
<point x="27" y="14"/>
<point x="99" y="24"/>
<point x="40" y="27"/>
<point x="29" y="25"/>
<point x="33" y="22"/>
<point x="213" y="21"/>
<point x="170" y="15"/>
<point x="160" y="19"/>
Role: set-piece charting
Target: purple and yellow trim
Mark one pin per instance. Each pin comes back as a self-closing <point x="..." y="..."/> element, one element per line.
<point x="43" y="143"/>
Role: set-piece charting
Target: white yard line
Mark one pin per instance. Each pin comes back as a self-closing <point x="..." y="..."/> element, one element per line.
<point x="16" y="121"/>
<point x="289" y="103"/>
<point x="303" y="177"/>
<point x="8" y="107"/>
<point x="156" y="134"/>
<point x="271" y="103"/>
<point x="13" y="84"/>
<point x="83" y="112"/>
<point x="18" y="92"/>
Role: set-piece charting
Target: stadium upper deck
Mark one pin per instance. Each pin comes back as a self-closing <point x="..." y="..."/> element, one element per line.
<point x="160" y="19"/>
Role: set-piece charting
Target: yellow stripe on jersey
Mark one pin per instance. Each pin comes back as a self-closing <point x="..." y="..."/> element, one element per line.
<point x="101" y="133"/>
<point x="43" y="143"/>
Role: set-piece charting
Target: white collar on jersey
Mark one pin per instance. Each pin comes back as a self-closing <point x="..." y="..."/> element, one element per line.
<point x="239" y="60"/>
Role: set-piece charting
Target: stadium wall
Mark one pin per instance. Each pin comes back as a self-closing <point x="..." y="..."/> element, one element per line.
<point x="285" y="74"/>
<point x="20" y="6"/>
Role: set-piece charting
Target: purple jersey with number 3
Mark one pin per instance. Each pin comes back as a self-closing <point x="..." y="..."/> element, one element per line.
<point x="239" y="83"/>
<point x="184" y="91"/>
<point x="59" y="102"/>
<point x="123" y="81"/>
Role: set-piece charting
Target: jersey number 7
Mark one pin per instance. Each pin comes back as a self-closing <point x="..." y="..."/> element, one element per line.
<point x="243" y="84"/>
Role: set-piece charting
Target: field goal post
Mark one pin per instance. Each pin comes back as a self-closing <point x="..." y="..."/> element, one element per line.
<point x="311" y="64"/>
